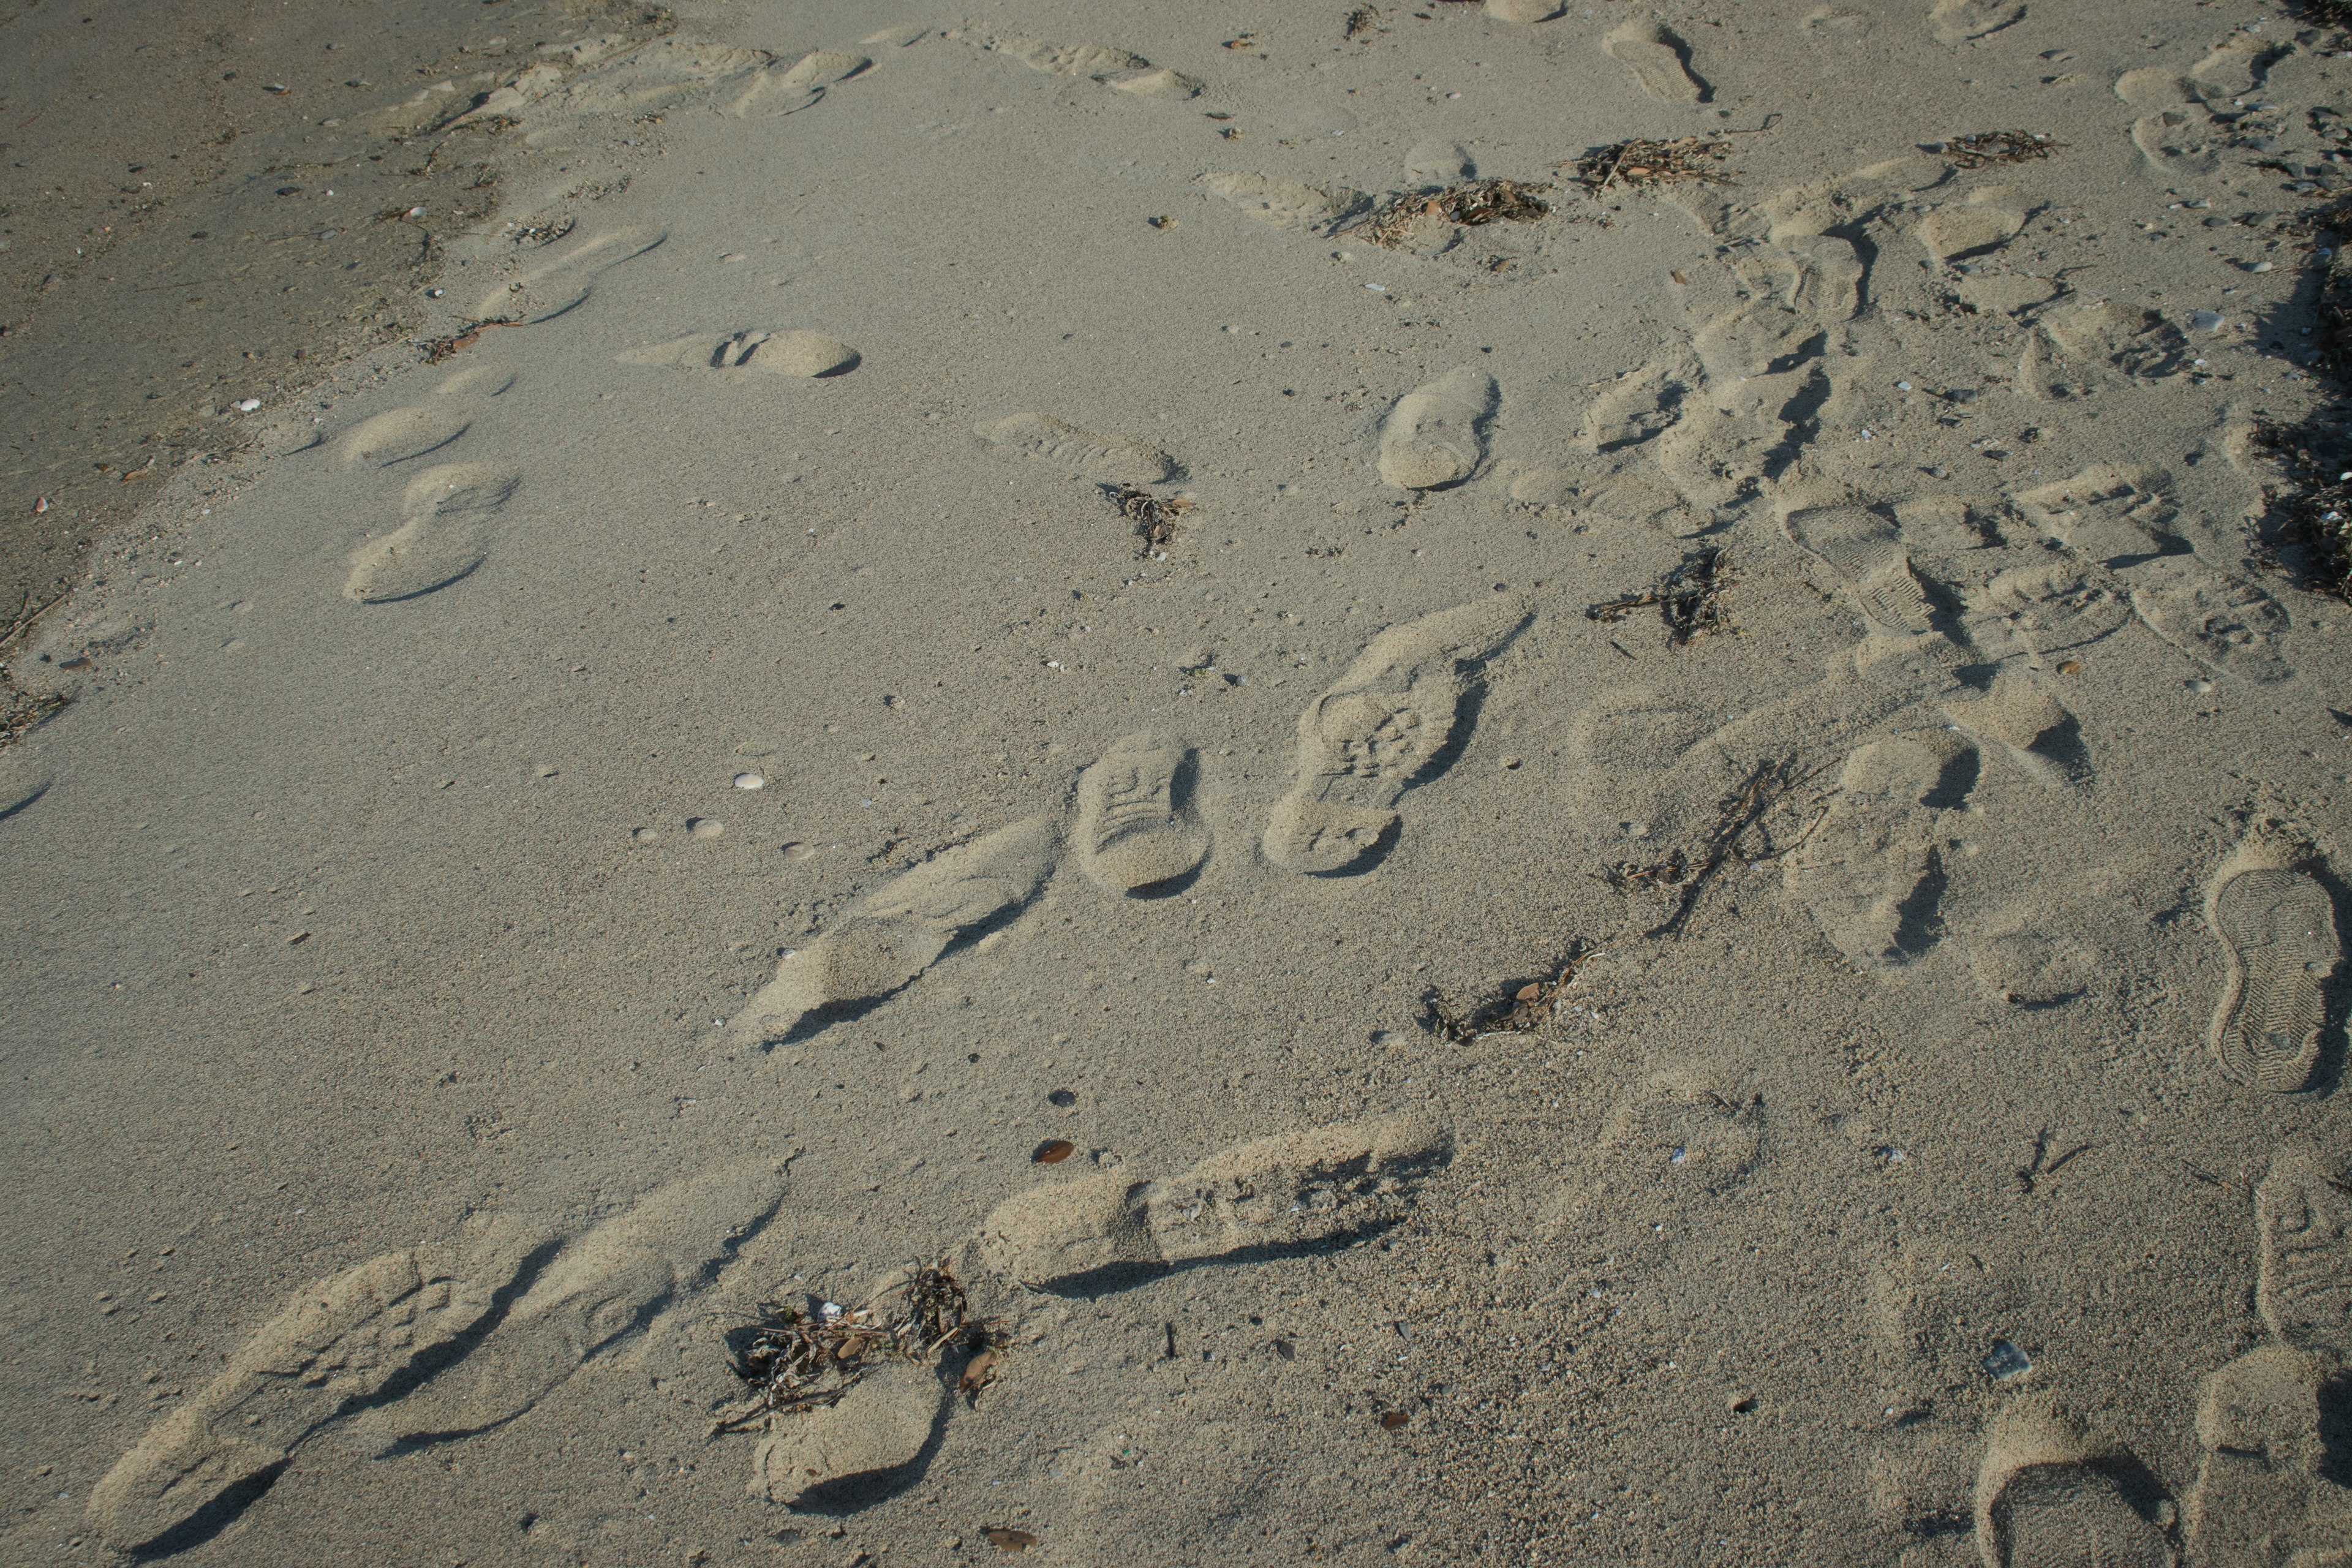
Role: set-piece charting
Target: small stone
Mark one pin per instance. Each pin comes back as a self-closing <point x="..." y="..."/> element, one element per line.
<point x="1511" y="762"/>
<point x="749" y="781"/>
<point x="705" y="826"/>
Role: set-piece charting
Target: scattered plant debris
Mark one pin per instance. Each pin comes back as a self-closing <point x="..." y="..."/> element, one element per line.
<point x="1996" y="147"/>
<point x="1362" y="23"/>
<point x="1690" y="599"/>
<point x="1525" y="1011"/>
<point x="1767" y="784"/>
<point x="2029" y="1175"/>
<point x="1468" y="204"/>
<point x="1641" y="163"/>
<point x="547" y="233"/>
<point x="1053" y="1151"/>
<point x="466" y="337"/>
<point x="1632" y="877"/>
<point x="2328" y="13"/>
<point x="2315" y="505"/>
<point x="801" y="1359"/>
<point x="1154" y="516"/>
<point x="1005" y="1540"/>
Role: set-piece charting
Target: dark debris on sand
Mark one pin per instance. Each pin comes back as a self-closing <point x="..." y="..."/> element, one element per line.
<point x="1362" y="23"/>
<point x="1154" y="516"/>
<point x="1641" y="163"/>
<point x="1470" y="204"/>
<point x="1987" y="147"/>
<point x="1690" y="600"/>
<point x="1525" y="1011"/>
<point x="799" y="1359"/>
<point x="2315" y="504"/>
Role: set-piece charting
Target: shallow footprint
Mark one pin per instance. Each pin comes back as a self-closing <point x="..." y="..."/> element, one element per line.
<point x="894" y="934"/>
<point x="2029" y="724"/>
<point x="1136" y="828"/>
<point x="2044" y="1500"/>
<point x="340" y="1341"/>
<point x="451" y="511"/>
<point x="1284" y="203"/>
<point x="1432" y="439"/>
<point x="1106" y="459"/>
<point x="2303" y="1286"/>
<point x="1955" y="22"/>
<point x="1388" y="722"/>
<point x="1986" y="221"/>
<point x="595" y="1291"/>
<point x="2260" y="1425"/>
<point x="1294" y="1191"/>
<point x="2230" y="625"/>
<point x="1866" y="551"/>
<point x="542" y="293"/>
<point x="2279" y="926"/>
<point x="881" y="1425"/>
<point x="1870" y="872"/>
<point x="1104" y="63"/>
<point x="1659" y="60"/>
<point x="772" y="350"/>
<point x="788" y="89"/>
<point x="399" y="434"/>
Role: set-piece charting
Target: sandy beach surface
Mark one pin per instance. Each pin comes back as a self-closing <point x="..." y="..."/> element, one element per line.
<point x="821" y="783"/>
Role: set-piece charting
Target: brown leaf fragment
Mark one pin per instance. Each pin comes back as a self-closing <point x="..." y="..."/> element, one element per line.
<point x="1053" y="1151"/>
<point x="1007" y="1539"/>
<point x="977" y="1373"/>
<point x="1392" y="1420"/>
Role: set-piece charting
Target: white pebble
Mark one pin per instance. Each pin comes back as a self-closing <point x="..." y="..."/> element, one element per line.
<point x="247" y="406"/>
<point x="749" y="781"/>
<point x="705" y="828"/>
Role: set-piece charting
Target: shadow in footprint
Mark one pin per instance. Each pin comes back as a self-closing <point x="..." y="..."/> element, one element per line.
<point x="213" y="1518"/>
<point x="1918" y="924"/>
<point x="1111" y="1279"/>
<point x="1465" y="723"/>
<point x="820" y="1018"/>
<point x="854" y="1494"/>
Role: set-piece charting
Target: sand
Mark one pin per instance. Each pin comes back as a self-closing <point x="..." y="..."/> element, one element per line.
<point x="873" y="593"/>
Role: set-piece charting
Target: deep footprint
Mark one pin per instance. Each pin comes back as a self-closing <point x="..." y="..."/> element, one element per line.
<point x="1388" y="723"/>
<point x="452" y="512"/>
<point x="880" y="1427"/>
<point x="1275" y="1195"/>
<point x="2280" y="928"/>
<point x="773" y="350"/>
<point x="2045" y="1499"/>
<point x="1136" y="828"/>
<point x="2303" y="1287"/>
<point x="1658" y="59"/>
<point x="891" y="937"/>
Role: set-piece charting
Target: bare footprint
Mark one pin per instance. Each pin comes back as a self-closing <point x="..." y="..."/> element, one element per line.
<point x="596" y="1292"/>
<point x="1137" y="834"/>
<point x="2279" y="926"/>
<point x="1955" y="22"/>
<point x="1866" y="551"/>
<point x="2303" y="1222"/>
<point x="399" y="434"/>
<point x="1431" y="438"/>
<point x="341" y="1342"/>
<point x="1293" y="1191"/>
<point x="773" y="350"/>
<point x="1869" y="872"/>
<point x="1285" y="204"/>
<point x="894" y="934"/>
<point x="1659" y="60"/>
<point x="547" y="290"/>
<point x="451" y="513"/>
<point x="881" y="1425"/>
<point x="1105" y="460"/>
<point x="1388" y="724"/>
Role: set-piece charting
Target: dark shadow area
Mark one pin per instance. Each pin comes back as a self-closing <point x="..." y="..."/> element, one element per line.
<point x="1113" y="1278"/>
<point x="213" y="1518"/>
<point x="1917" y="926"/>
<point x="1954" y="782"/>
<point x="2062" y="746"/>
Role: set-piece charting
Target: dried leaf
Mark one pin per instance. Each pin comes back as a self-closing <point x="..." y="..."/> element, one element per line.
<point x="977" y="1373"/>
<point x="1053" y="1151"/>
<point x="1393" y="1420"/>
<point x="1005" y="1540"/>
<point x="2071" y="666"/>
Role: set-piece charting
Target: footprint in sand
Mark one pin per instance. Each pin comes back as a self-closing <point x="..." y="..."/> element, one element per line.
<point x="1096" y="62"/>
<point x="2224" y="622"/>
<point x="368" y="1341"/>
<point x="894" y="934"/>
<point x="1284" y="203"/>
<point x="1105" y="460"/>
<point x="1867" y="551"/>
<point x="2303" y="1222"/>
<point x="2045" y="609"/>
<point x="2262" y="1484"/>
<point x="597" y="1291"/>
<point x="2108" y="513"/>
<point x="451" y="513"/>
<point x="2136" y="341"/>
<point x="1987" y="220"/>
<point x="2029" y="725"/>
<point x="1293" y="1191"/>
<point x="2278" y="924"/>
<point x="770" y="350"/>
<point x="1433" y="439"/>
<point x="1955" y="22"/>
<point x="1136" y="832"/>
<point x="1679" y="1131"/>
<point x="1659" y="60"/>
<point x="1525" y="11"/>
<point x="546" y="290"/>
<point x="856" y="1446"/>
<point x="483" y="381"/>
<point x="787" y="89"/>
<point x="1388" y="723"/>
<point x="399" y="434"/>
<point x="1869" y="870"/>
<point x="2046" y="1497"/>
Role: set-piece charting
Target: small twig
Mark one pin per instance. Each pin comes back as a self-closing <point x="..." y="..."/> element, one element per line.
<point x="1524" y="1012"/>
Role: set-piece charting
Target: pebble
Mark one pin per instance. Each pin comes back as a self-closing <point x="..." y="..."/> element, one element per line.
<point x="2198" y="685"/>
<point x="749" y="781"/>
<point x="705" y="826"/>
<point x="646" y="835"/>
<point x="796" y="850"/>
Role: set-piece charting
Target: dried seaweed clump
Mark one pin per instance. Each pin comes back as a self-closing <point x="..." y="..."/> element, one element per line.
<point x="1640" y="164"/>
<point x="2316" y="505"/>
<point x="1469" y="204"/>
<point x="1690" y="599"/>
<point x="2328" y="13"/>
<point x="1154" y="516"/>
<point x="1525" y="1011"/>
<point x="1998" y="147"/>
<point x="1362" y="23"/>
<point x="804" y="1358"/>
